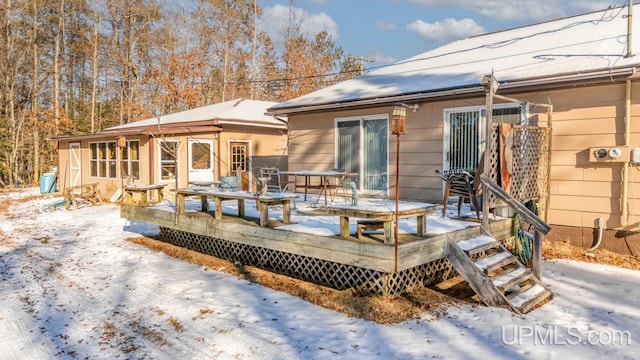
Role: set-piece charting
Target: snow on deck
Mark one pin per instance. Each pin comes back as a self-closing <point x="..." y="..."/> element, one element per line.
<point x="476" y="242"/>
<point x="489" y="261"/>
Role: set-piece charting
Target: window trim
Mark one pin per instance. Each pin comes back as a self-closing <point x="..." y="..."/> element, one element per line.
<point x="107" y="160"/>
<point x="482" y="119"/>
<point x="128" y="161"/>
<point x="361" y="119"/>
<point x="176" y="162"/>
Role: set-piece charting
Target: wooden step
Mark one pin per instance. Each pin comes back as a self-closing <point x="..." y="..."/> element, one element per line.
<point x="506" y="280"/>
<point x="495" y="261"/>
<point x="528" y="299"/>
<point x="478" y="244"/>
<point x="498" y="278"/>
<point x="517" y="290"/>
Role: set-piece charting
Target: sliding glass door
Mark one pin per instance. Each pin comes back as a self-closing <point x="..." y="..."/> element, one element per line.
<point x="362" y="147"/>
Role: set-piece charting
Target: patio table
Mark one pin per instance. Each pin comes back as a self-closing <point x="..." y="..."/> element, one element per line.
<point x="323" y="184"/>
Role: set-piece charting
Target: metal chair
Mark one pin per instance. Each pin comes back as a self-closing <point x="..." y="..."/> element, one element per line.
<point x="274" y="183"/>
<point x="459" y="183"/>
<point x="339" y="185"/>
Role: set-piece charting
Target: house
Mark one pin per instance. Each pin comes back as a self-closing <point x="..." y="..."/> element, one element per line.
<point x="198" y="145"/>
<point x="575" y="75"/>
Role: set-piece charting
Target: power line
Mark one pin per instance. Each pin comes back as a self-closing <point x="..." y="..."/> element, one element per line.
<point x="604" y="18"/>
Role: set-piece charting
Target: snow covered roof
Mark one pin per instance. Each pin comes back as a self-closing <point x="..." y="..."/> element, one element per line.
<point x="579" y="44"/>
<point x="233" y="112"/>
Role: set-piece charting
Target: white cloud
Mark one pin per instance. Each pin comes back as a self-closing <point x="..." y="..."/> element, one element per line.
<point x="315" y="23"/>
<point x="275" y="20"/>
<point x="446" y="30"/>
<point x="520" y="10"/>
<point x="381" y="59"/>
<point x="384" y="26"/>
<point x="589" y="5"/>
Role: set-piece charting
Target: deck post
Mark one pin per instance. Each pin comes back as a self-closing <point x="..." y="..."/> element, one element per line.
<point x="264" y="212"/>
<point x="536" y="262"/>
<point x="218" y="213"/>
<point x="422" y="225"/>
<point x="180" y="203"/>
<point x="344" y="227"/>
<point x="203" y="203"/>
<point x="241" y="207"/>
<point x="286" y="211"/>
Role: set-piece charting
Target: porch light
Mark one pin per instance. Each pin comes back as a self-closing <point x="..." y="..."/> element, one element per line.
<point x="122" y="141"/>
<point x="489" y="83"/>
<point x="398" y="116"/>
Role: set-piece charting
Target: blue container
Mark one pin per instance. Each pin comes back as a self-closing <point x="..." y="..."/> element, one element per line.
<point x="48" y="183"/>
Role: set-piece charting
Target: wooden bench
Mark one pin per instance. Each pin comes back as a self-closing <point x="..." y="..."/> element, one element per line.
<point x="143" y="190"/>
<point x="369" y="225"/>
<point x="88" y="192"/>
<point x="262" y="202"/>
<point x="384" y="213"/>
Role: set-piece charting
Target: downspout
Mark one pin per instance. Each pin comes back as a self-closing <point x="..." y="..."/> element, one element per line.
<point x="627" y="143"/>
<point x="627" y="118"/>
<point x="219" y="163"/>
<point x="629" y="28"/>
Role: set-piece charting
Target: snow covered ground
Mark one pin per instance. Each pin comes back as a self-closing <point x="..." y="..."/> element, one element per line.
<point x="73" y="287"/>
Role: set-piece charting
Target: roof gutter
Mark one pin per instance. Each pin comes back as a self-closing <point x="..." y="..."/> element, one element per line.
<point x="605" y="76"/>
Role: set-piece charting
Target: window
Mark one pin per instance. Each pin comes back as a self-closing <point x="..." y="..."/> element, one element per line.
<point x="131" y="159"/>
<point x="239" y="157"/>
<point x="362" y="147"/>
<point x="168" y="159"/>
<point x="103" y="159"/>
<point x="464" y="132"/>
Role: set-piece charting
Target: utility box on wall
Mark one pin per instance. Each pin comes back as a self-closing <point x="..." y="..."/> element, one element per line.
<point x="635" y="156"/>
<point x="606" y="154"/>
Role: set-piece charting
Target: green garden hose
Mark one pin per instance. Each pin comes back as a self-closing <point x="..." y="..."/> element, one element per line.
<point x="523" y="244"/>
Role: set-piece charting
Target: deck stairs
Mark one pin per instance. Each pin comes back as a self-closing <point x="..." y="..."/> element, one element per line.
<point x="495" y="274"/>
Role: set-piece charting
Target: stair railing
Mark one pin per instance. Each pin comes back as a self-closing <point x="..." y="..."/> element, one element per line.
<point x="540" y="227"/>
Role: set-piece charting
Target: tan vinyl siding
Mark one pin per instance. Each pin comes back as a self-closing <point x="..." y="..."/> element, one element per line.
<point x="582" y="191"/>
<point x="266" y="144"/>
<point x="585" y="117"/>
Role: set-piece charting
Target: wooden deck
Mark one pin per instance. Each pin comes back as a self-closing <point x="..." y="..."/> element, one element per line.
<point x="369" y="252"/>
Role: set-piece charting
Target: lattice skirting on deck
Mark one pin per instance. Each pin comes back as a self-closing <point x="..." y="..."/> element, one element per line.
<point x="322" y="272"/>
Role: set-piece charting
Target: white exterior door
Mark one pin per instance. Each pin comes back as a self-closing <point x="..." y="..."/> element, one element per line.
<point x="75" y="164"/>
<point x="200" y="160"/>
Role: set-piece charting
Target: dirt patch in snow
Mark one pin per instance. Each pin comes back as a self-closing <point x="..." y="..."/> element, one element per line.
<point x="374" y="308"/>
<point x="434" y="300"/>
<point x="564" y="250"/>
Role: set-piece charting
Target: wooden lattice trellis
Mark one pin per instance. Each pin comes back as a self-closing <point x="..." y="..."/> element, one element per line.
<point x="531" y="162"/>
<point x="318" y="271"/>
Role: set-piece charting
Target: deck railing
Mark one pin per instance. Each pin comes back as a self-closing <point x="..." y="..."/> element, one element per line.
<point x="540" y="227"/>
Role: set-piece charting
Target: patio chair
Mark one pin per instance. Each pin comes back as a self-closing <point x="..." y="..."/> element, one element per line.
<point x="274" y="183"/>
<point x="459" y="183"/>
<point x="340" y="185"/>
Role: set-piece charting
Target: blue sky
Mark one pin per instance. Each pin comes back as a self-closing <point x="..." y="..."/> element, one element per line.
<point x="393" y="30"/>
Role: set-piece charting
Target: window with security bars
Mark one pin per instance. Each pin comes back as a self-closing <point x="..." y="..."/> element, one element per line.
<point x="464" y="132"/>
